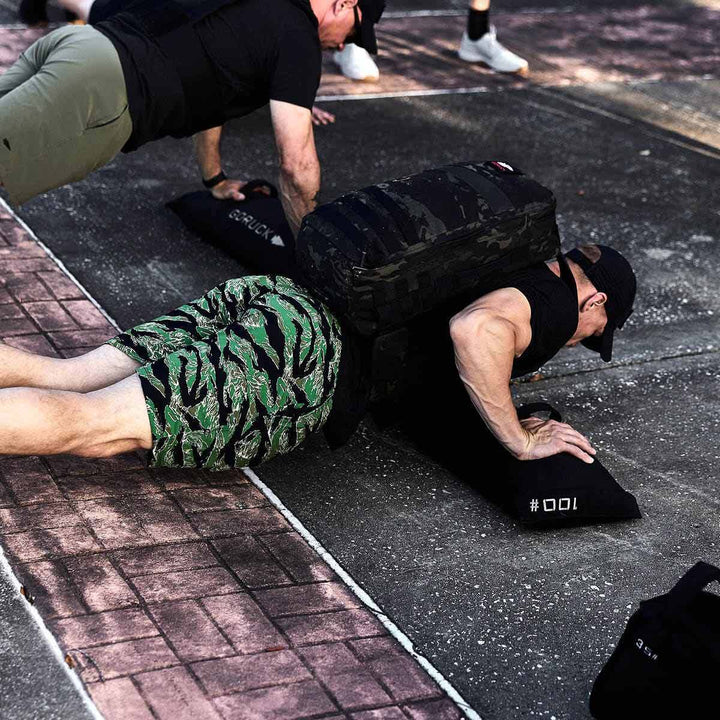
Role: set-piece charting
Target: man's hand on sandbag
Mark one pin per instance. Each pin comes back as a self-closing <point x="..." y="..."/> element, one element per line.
<point x="548" y="437"/>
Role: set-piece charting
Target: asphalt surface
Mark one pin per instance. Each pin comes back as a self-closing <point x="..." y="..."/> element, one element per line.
<point x="33" y="683"/>
<point x="519" y="621"/>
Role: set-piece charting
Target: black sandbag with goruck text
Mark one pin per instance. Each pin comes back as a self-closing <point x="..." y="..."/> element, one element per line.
<point x="390" y="252"/>
<point x="253" y="231"/>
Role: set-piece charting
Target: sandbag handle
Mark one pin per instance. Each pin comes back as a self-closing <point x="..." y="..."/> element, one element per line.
<point x="525" y="411"/>
<point x="252" y="186"/>
<point x="691" y="584"/>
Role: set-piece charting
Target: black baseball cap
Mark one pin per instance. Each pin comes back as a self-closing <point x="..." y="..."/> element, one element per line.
<point x="611" y="274"/>
<point x="365" y="32"/>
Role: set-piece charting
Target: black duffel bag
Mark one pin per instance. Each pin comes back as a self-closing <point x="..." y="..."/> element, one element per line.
<point x="389" y="253"/>
<point x="667" y="663"/>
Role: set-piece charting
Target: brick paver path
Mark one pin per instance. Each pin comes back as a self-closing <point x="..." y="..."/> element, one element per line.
<point x="180" y="594"/>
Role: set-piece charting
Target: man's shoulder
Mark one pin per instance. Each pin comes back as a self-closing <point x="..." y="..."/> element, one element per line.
<point x="292" y="13"/>
<point x="508" y="303"/>
<point x="517" y="294"/>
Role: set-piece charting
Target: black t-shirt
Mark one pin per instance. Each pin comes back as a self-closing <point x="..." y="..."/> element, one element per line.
<point x="235" y="59"/>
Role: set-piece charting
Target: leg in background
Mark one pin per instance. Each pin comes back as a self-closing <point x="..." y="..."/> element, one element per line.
<point x="18" y="73"/>
<point x="479" y="43"/>
<point x="97" y="424"/>
<point x="63" y="112"/>
<point x="478" y="19"/>
<point x="97" y="369"/>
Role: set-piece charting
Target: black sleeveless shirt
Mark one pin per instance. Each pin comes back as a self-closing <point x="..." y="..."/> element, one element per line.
<point x="553" y="318"/>
<point x="430" y="364"/>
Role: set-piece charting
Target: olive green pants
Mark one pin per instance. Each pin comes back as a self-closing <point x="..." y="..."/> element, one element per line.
<point x="63" y="112"/>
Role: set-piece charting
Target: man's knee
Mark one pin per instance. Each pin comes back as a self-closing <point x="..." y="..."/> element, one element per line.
<point x="118" y="417"/>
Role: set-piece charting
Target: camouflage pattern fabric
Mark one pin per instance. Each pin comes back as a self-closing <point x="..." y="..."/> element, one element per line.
<point x="238" y="376"/>
<point x="391" y="252"/>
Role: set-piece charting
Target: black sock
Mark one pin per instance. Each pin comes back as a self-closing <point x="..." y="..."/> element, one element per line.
<point x="478" y="23"/>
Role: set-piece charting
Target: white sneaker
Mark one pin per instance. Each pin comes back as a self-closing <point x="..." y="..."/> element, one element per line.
<point x="488" y="50"/>
<point x="355" y="63"/>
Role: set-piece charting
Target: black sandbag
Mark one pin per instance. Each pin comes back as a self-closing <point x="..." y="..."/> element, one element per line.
<point x="562" y="489"/>
<point x="253" y="231"/>
<point x="557" y="491"/>
<point x="667" y="662"/>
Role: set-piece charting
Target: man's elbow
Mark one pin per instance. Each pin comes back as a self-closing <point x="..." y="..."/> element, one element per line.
<point x="463" y="328"/>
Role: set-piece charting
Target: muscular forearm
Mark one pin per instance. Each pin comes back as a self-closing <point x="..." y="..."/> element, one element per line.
<point x="486" y="344"/>
<point x="298" y="191"/>
<point x="493" y="401"/>
<point x="207" y="151"/>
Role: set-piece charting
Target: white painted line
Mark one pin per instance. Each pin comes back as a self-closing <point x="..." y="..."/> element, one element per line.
<point x="49" y="639"/>
<point x="547" y="88"/>
<point x="554" y="91"/>
<point x="57" y="260"/>
<point x="407" y="93"/>
<point x="374" y="608"/>
<point x="391" y="627"/>
<point x="399" y="14"/>
<point x="636" y="123"/>
<point x="4" y="564"/>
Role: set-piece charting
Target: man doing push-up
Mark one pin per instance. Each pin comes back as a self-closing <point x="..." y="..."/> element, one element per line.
<point x="250" y="369"/>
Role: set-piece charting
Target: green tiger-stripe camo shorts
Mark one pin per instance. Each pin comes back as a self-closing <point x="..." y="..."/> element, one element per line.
<point x="242" y="374"/>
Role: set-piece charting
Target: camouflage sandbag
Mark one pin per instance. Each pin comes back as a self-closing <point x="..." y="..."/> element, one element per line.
<point x="388" y="253"/>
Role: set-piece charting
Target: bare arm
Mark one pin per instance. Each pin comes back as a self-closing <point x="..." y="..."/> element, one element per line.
<point x="487" y="336"/>
<point x="299" y="166"/>
<point x="321" y="117"/>
<point x="207" y="151"/>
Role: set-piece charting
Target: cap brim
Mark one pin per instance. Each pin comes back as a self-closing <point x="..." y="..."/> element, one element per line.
<point x="602" y="344"/>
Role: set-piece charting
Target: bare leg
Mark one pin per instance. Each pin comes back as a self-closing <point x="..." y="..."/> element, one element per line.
<point x="97" y="424"/>
<point x="97" y="369"/>
<point x="474" y="4"/>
